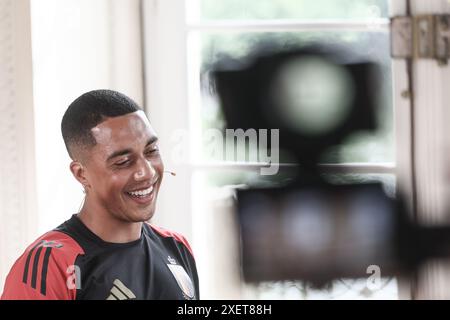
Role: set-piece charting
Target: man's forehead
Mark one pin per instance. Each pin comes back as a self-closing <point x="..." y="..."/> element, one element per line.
<point x="132" y="125"/>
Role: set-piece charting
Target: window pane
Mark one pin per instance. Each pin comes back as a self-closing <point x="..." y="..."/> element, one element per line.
<point x="360" y="147"/>
<point x="387" y="180"/>
<point x="293" y="9"/>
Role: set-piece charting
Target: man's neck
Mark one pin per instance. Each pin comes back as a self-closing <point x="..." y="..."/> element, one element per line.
<point x="107" y="227"/>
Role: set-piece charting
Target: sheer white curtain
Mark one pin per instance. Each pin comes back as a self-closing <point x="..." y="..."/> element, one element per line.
<point x="17" y="171"/>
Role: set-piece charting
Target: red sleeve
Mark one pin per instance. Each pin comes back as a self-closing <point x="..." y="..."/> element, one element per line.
<point x="45" y="271"/>
<point x="178" y="237"/>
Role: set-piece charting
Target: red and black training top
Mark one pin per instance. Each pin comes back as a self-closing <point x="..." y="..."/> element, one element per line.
<point x="72" y="263"/>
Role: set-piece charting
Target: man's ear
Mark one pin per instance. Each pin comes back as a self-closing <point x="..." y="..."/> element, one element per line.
<point x="79" y="172"/>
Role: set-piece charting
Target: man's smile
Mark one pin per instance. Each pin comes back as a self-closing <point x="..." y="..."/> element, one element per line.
<point x="144" y="195"/>
<point x="141" y="193"/>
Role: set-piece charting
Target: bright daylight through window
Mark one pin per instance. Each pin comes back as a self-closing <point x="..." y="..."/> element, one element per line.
<point x="232" y="29"/>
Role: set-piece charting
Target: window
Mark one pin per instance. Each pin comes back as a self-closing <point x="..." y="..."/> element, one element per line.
<point x="208" y="30"/>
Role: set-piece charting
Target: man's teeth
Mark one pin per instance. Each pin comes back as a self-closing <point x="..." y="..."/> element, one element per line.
<point x="141" y="193"/>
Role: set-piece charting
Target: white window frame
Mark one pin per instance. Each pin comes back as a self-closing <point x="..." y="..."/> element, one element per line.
<point x="431" y="153"/>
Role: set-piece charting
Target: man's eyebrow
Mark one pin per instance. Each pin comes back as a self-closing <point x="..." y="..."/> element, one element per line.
<point x="126" y="151"/>
<point x="152" y="140"/>
<point x="119" y="153"/>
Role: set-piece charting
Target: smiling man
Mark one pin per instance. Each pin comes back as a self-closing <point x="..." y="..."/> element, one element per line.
<point x="108" y="250"/>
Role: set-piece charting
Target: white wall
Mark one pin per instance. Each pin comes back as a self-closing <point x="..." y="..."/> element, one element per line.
<point x="60" y="49"/>
<point x="78" y="45"/>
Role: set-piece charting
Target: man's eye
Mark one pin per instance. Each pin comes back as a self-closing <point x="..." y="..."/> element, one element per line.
<point x="152" y="150"/>
<point x="122" y="163"/>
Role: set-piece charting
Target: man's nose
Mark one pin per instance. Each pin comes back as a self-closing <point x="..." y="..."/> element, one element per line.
<point x="145" y="171"/>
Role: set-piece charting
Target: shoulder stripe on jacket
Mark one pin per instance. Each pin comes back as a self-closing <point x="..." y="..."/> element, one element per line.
<point x="44" y="270"/>
<point x="35" y="267"/>
<point x="27" y="263"/>
<point x="41" y="272"/>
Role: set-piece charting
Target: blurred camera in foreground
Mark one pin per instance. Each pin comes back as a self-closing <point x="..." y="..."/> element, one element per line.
<point x="310" y="229"/>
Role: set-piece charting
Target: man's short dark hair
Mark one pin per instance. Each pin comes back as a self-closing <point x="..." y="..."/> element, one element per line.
<point x="89" y="110"/>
